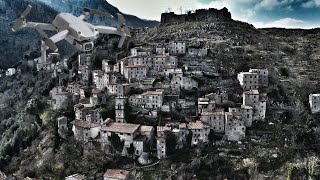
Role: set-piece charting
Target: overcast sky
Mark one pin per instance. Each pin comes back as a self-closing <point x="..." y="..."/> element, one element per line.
<point x="260" y="13"/>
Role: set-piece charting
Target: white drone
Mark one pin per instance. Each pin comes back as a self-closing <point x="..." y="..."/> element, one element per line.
<point x="73" y="29"/>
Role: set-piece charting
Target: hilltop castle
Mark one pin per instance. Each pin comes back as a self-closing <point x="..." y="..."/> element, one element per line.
<point x="198" y="15"/>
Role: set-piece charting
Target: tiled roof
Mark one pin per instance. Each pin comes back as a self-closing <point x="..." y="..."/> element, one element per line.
<point x="146" y="128"/>
<point x="219" y="113"/>
<point x="96" y="91"/>
<point x="182" y="126"/>
<point x="156" y="92"/>
<point x="197" y="125"/>
<point x="84" y="124"/>
<point x="116" y="174"/>
<point x="121" y="127"/>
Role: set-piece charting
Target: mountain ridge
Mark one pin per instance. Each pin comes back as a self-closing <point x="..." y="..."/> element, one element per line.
<point x="24" y="40"/>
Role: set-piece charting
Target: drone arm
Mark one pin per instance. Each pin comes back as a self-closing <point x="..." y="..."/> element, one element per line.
<point x="83" y="16"/>
<point x="59" y="36"/>
<point x="44" y="26"/>
<point x="109" y="30"/>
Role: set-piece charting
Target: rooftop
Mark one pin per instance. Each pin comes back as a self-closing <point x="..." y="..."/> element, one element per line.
<point x="248" y="73"/>
<point x="254" y="91"/>
<point x="116" y="173"/>
<point x="79" y="106"/>
<point x="163" y="128"/>
<point x="121" y="127"/>
<point x="246" y="107"/>
<point x="84" y="124"/>
<point x="156" y="92"/>
<point x="96" y="91"/>
<point x="145" y="128"/>
<point x="212" y="113"/>
<point x="197" y="125"/>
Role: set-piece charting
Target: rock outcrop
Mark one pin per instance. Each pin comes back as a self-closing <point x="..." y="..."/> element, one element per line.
<point x="211" y="14"/>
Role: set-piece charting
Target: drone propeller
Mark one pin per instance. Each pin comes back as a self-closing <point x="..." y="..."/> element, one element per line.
<point x="21" y="20"/>
<point x="90" y="11"/>
<point x="47" y="41"/>
<point x="97" y="12"/>
<point x="123" y="25"/>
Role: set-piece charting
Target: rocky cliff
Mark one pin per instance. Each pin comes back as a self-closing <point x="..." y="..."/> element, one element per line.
<point x="211" y="14"/>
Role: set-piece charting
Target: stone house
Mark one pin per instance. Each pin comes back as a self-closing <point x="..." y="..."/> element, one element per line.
<point x="107" y="66"/>
<point x="94" y="116"/>
<point x="205" y="105"/>
<point x="215" y="119"/>
<point x="85" y="131"/>
<point x="116" y="174"/>
<point x="258" y="102"/>
<point x="84" y="59"/>
<point x="136" y="100"/>
<point x="76" y="88"/>
<point x="140" y="51"/>
<point x="219" y="97"/>
<point x="246" y="113"/>
<point x="135" y="72"/>
<point x="235" y="129"/>
<point x="180" y="131"/>
<point x="161" y="147"/>
<point x="162" y="131"/>
<point x="263" y="76"/>
<point x="314" y="102"/>
<point x="248" y="80"/>
<point x="180" y="81"/>
<point x="200" y="132"/>
<point x="153" y="99"/>
<point x="96" y="74"/>
<point x="82" y="110"/>
<point x="170" y="69"/>
<point x="161" y="49"/>
<point x="101" y="80"/>
<point x="177" y="47"/>
<point x="147" y="131"/>
<point x="126" y="131"/>
<point x="97" y="97"/>
<point x="139" y="144"/>
<point x="84" y="72"/>
<point x="60" y="98"/>
<point x="145" y="83"/>
<point x="197" y="52"/>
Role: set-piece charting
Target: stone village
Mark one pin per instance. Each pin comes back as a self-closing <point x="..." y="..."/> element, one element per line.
<point x="141" y="70"/>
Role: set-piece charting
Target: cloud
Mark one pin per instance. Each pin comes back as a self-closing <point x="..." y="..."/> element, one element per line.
<point x="289" y="23"/>
<point x="311" y="4"/>
<point x="272" y="4"/>
<point x="251" y="11"/>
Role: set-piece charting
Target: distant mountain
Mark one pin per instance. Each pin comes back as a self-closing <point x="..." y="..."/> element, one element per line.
<point x="14" y="45"/>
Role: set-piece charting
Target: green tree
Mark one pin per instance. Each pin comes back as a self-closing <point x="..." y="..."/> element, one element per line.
<point x="211" y="137"/>
<point x="116" y="142"/>
<point x="189" y="138"/>
<point x="131" y="150"/>
<point x="171" y="143"/>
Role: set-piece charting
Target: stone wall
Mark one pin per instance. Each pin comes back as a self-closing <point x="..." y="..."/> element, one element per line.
<point x="211" y="14"/>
